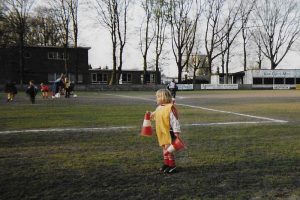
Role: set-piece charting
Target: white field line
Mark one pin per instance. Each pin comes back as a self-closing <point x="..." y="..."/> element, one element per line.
<point x="228" y="123"/>
<point x="72" y="130"/>
<point x="214" y="110"/>
<point x="66" y="130"/>
<point x="235" y="113"/>
<point x="269" y="120"/>
<point x="58" y="130"/>
<point x="130" y="97"/>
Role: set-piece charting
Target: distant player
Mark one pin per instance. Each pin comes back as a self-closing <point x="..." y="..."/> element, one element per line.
<point x="172" y="87"/>
<point x="44" y="90"/>
<point x="32" y="91"/>
<point x="11" y="90"/>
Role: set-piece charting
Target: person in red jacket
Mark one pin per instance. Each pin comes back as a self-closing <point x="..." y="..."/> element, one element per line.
<point x="44" y="90"/>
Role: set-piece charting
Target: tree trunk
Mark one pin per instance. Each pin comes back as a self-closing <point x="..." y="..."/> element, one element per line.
<point x="113" y="75"/>
<point x="21" y="61"/>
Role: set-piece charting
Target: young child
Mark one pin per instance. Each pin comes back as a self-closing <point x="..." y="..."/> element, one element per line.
<point x="67" y="87"/>
<point x="11" y="90"/>
<point x="44" y="90"/>
<point x="31" y="91"/>
<point x="167" y="127"/>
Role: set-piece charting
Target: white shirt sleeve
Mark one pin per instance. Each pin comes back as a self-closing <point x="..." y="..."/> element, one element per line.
<point x="174" y="123"/>
<point x="172" y="85"/>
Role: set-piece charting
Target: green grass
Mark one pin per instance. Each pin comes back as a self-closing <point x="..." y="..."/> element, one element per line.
<point x="259" y="161"/>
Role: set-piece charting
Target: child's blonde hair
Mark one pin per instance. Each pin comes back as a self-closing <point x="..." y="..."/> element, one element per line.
<point x="163" y="96"/>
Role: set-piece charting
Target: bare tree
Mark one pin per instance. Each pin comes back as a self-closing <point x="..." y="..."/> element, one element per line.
<point x="63" y="12"/>
<point x="3" y="26"/>
<point x="44" y="28"/>
<point x="231" y="30"/>
<point x="74" y="5"/>
<point x="213" y="37"/>
<point x="146" y="40"/>
<point x="258" y="42"/>
<point x="245" y="11"/>
<point x="183" y="30"/>
<point x="17" y="14"/>
<point x="196" y="59"/>
<point x="278" y="27"/>
<point x="113" y="15"/>
<point x="160" y="11"/>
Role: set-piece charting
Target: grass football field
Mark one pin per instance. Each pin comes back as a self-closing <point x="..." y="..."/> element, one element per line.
<point x="240" y="145"/>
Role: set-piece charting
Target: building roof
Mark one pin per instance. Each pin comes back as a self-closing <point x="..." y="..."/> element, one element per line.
<point x="54" y="47"/>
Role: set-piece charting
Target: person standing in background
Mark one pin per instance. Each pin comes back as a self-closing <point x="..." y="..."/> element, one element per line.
<point x="32" y="91"/>
<point x="172" y="87"/>
<point x="11" y="90"/>
<point x="67" y="87"/>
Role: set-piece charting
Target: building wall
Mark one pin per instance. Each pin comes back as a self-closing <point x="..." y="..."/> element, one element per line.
<point x="38" y="66"/>
<point x="270" y="77"/>
<point x="103" y="76"/>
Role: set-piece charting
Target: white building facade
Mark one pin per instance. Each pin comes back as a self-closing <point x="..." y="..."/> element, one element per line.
<point x="267" y="78"/>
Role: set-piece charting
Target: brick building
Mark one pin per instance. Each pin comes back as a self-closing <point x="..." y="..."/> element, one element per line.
<point x="44" y="64"/>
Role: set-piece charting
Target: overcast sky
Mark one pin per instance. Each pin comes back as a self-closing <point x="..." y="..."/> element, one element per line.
<point x="94" y="36"/>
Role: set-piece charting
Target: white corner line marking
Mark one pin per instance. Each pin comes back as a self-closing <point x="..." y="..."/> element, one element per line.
<point x="228" y="123"/>
<point x="235" y="113"/>
<point x="210" y="109"/>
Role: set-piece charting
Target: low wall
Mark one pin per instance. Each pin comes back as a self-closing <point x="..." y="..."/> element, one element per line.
<point x="94" y="87"/>
<point x="118" y="87"/>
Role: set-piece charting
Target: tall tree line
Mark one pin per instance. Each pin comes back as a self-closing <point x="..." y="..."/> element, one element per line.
<point x="216" y="28"/>
<point x="23" y="25"/>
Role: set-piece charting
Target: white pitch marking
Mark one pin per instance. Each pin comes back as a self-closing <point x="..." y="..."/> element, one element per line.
<point x="214" y="110"/>
<point x="128" y="127"/>
<point x="58" y="130"/>
<point x="235" y="113"/>
<point x="228" y="123"/>
<point x="65" y="130"/>
<point x="130" y="97"/>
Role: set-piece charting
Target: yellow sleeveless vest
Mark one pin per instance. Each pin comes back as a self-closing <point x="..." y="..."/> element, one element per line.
<point x="162" y="124"/>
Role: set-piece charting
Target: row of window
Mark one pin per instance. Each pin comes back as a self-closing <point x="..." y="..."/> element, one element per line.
<point x="72" y="77"/>
<point x="103" y="78"/>
<point x="54" y="55"/>
<point x="271" y="81"/>
<point x="126" y="78"/>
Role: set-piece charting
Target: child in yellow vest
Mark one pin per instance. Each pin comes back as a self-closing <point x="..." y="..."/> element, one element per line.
<point x="167" y="127"/>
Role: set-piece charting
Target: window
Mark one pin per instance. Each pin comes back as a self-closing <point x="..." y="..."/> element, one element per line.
<point x="27" y="55"/>
<point x="257" y="81"/>
<point x="297" y="80"/>
<point x="147" y="78"/>
<point x="126" y="78"/>
<point x="152" y="78"/>
<point x="279" y="81"/>
<point x="99" y="77"/>
<point x="51" y="55"/>
<point x="57" y="56"/>
<point x="80" y="78"/>
<point x="72" y="78"/>
<point x="268" y="81"/>
<point x="104" y="77"/>
<point x="290" y="81"/>
<point x="52" y="77"/>
<point x="96" y="78"/>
